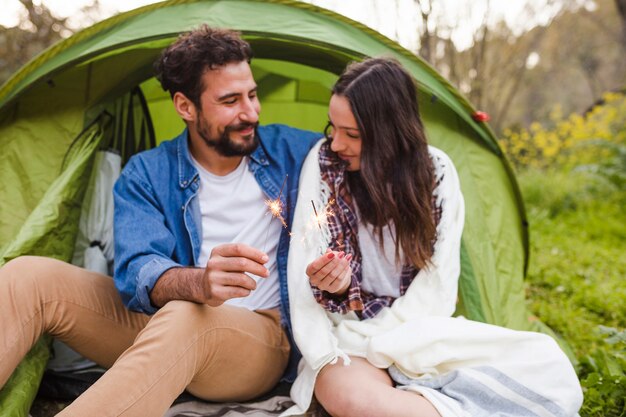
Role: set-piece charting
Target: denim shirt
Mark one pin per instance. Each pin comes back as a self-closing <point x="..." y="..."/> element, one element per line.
<point x="157" y="222"/>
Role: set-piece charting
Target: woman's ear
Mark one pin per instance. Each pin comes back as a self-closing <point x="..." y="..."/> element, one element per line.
<point x="184" y="107"/>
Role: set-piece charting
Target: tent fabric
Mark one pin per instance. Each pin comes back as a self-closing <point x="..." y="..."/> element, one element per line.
<point x="95" y="90"/>
<point x="93" y="249"/>
<point x="50" y="228"/>
<point x="48" y="231"/>
<point x="20" y="390"/>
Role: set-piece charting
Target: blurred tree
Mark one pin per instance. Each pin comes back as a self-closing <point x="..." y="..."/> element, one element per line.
<point x="428" y="35"/>
<point x="491" y="70"/>
<point x="518" y="76"/>
<point x="37" y="30"/>
<point x="621" y="8"/>
<point x="579" y="59"/>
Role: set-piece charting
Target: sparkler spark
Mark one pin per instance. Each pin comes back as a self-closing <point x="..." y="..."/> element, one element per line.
<point x="275" y="208"/>
<point x="321" y="218"/>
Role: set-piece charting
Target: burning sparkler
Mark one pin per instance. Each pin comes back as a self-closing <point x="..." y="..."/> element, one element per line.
<point x="321" y="218"/>
<point x="316" y="216"/>
<point x="275" y="208"/>
<point x="318" y="220"/>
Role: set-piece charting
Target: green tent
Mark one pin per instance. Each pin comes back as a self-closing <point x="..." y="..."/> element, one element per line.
<point x="96" y="90"/>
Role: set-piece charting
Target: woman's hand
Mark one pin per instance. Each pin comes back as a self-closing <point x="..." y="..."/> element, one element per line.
<point x="331" y="272"/>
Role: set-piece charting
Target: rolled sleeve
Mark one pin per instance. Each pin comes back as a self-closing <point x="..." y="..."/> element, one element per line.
<point x="146" y="279"/>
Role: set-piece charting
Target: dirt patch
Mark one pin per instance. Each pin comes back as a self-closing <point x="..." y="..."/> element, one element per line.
<point x="46" y="408"/>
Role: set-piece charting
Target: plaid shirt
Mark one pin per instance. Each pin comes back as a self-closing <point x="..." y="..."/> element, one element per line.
<point x="344" y="237"/>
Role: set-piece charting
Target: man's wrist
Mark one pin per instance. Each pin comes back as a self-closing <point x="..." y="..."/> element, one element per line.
<point x="182" y="283"/>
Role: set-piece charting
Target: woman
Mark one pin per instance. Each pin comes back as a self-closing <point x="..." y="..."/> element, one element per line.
<point x="379" y="222"/>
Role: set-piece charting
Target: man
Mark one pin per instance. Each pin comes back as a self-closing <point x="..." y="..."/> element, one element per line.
<point x="194" y="247"/>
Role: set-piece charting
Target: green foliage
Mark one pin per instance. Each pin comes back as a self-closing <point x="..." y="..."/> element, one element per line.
<point x="613" y="167"/>
<point x="576" y="276"/>
<point x="605" y="380"/>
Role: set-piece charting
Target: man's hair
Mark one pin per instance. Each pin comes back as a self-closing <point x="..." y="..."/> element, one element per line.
<point x="396" y="179"/>
<point x="182" y="64"/>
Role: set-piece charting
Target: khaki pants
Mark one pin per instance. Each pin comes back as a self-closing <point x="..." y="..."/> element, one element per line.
<point x="216" y="353"/>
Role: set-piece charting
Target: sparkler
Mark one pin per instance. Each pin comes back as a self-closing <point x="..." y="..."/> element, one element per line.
<point x="275" y="208"/>
<point x="316" y="216"/>
<point x="321" y="218"/>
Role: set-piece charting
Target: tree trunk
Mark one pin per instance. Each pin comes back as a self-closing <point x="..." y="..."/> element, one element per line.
<point x="621" y="8"/>
<point x="426" y="38"/>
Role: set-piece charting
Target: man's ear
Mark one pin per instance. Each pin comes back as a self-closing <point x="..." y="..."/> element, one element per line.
<point x="184" y="107"/>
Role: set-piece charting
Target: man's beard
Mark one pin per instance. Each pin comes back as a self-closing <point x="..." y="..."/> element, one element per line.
<point x="224" y="145"/>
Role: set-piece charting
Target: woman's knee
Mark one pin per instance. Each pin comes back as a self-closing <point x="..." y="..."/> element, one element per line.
<point x="353" y="390"/>
<point x="338" y="396"/>
<point x="344" y="402"/>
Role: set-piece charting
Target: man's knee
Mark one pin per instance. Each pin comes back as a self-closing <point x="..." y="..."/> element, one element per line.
<point x="179" y="308"/>
<point x="19" y="265"/>
<point x="28" y="273"/>
<point x="184" y="318"/>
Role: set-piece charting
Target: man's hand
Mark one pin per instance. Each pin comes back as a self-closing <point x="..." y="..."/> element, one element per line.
<point x="225" y="273"/>
<point x="331" y="272"/>
<point x="223" y="278"/>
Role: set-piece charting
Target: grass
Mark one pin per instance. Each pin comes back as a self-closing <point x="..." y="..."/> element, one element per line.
<point x="576" y="278"/>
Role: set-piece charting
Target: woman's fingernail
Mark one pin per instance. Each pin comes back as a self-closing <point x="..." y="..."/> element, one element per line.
<point x="330" y="255"/>
<point x="341" y="254"/>
<point x="349" y="257"/>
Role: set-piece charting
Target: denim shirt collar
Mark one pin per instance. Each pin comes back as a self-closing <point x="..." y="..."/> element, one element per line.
<point x="259" y="156"/>
<point x="187" y="172"/>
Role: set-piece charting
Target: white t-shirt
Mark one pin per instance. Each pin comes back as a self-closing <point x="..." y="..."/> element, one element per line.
<point x="233" y="210"/>
<point x="379" y="273"/>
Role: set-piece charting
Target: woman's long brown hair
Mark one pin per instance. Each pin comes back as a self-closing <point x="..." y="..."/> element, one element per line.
<point x="395" y="183"/>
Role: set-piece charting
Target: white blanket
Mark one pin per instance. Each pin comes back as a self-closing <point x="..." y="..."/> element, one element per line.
<point x="431" y="352"/>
